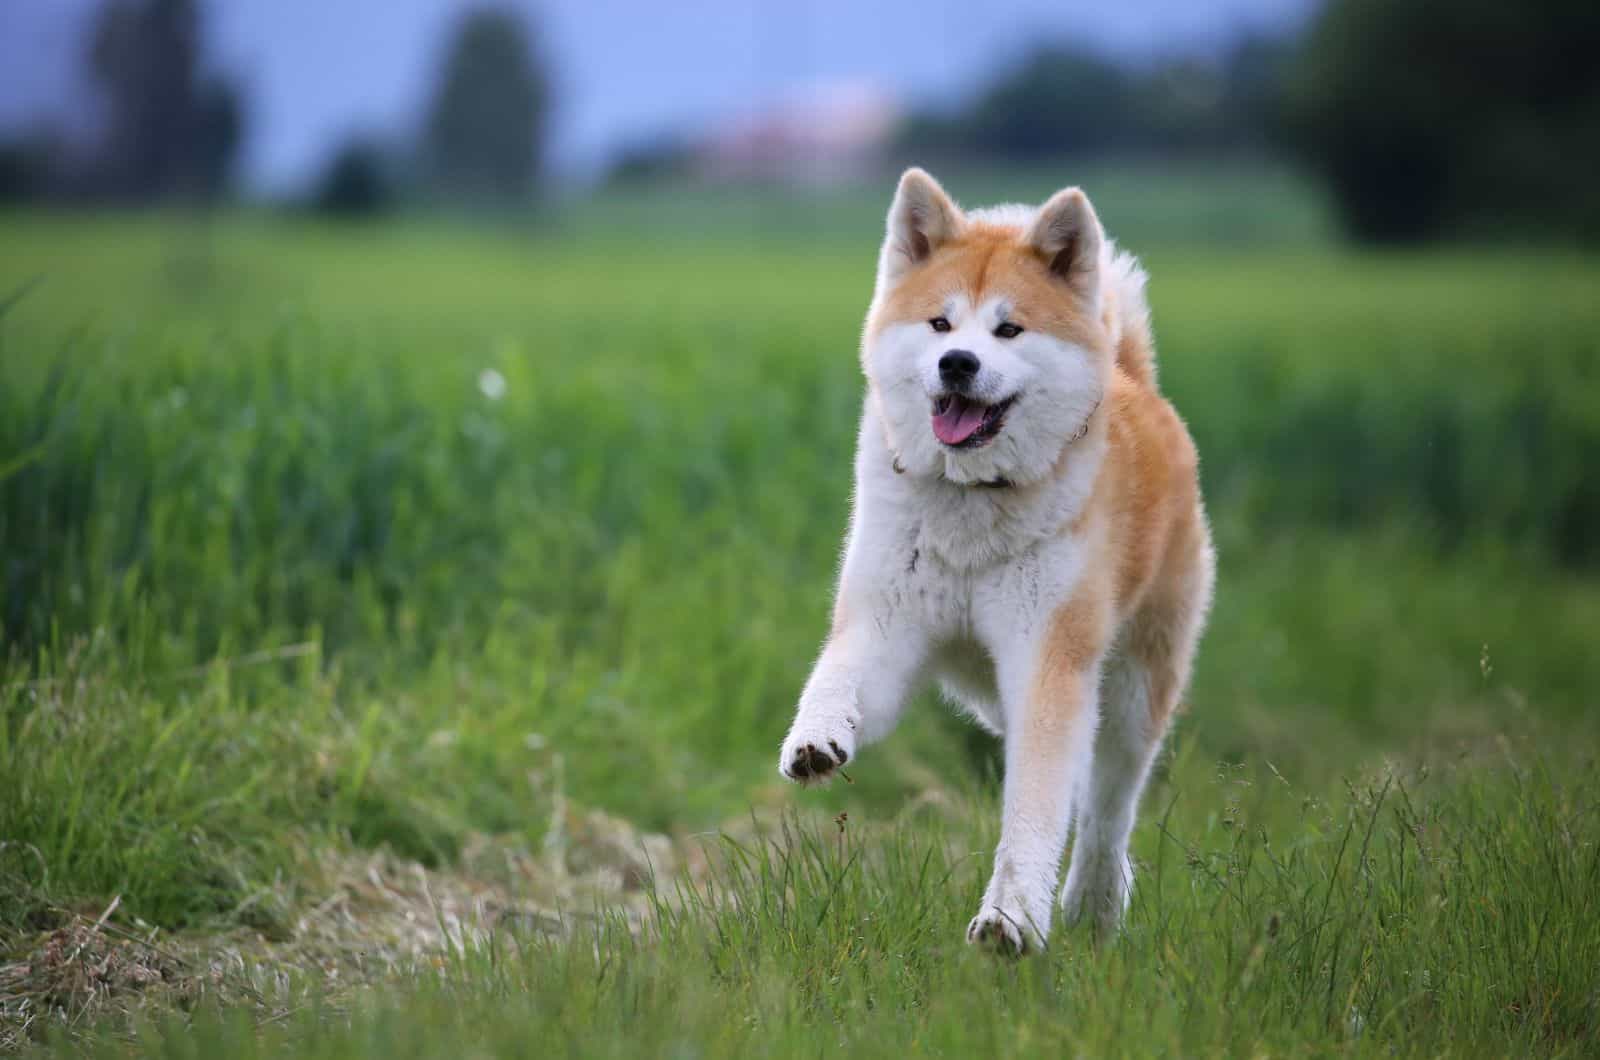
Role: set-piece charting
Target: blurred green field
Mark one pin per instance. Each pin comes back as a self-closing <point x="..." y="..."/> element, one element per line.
<point x="319" y="541"/>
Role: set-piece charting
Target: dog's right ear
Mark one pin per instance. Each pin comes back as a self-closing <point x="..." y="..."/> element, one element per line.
<point x="921" y="218"/>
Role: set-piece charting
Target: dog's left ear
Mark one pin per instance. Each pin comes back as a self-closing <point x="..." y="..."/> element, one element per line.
<point x="921" y="219"/>
<point x="1067" y="235"/>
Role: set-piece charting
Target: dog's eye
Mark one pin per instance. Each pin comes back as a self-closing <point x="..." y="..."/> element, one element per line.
<point x="939" y="324"/>
<point x="1007" y="330"/>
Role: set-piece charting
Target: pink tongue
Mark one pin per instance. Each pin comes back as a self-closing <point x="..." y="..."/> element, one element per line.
<point x="959" y="421"/>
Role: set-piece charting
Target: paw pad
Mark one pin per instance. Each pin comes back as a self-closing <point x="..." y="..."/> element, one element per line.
<point x="810" y="761"/>
<point x="993" y="930"/>
<point x="816" y="748"/>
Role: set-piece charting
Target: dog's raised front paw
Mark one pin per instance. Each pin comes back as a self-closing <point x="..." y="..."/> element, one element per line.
<point x="1001" y="932"/>
<point x="814" y="751"/>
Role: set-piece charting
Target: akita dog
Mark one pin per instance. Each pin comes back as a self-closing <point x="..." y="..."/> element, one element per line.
<point x="1028" y="529"/>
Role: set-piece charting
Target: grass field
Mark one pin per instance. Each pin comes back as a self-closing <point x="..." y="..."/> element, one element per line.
<point x="401" y="623"/>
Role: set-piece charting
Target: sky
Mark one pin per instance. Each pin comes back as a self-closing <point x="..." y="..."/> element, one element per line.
<point x="624" y="70"/>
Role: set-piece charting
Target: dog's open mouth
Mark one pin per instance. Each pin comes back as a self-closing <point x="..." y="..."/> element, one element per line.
<point x="962" y="423"/>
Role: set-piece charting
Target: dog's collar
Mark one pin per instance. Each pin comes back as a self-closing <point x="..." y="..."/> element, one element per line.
<point x="991" y="484"/>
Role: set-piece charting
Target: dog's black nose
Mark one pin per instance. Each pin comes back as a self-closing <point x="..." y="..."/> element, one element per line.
<point x="958" y="367"/>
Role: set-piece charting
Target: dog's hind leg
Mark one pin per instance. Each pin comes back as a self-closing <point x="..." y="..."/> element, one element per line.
<point x="1142" y="681"/>
<point x="1100" y="877"/>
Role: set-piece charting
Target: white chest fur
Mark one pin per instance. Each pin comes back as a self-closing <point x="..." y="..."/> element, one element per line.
<point x="971" y="573"/>
<point x="975" y="532"/>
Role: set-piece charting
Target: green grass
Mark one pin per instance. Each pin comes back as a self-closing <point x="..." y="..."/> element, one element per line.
<point x="282" y="582"/>
<point x="1420" y="915"/>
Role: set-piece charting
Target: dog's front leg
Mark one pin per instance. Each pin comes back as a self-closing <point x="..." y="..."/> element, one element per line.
<point x="1050" y="690"/>
<point x="861" y="680"/>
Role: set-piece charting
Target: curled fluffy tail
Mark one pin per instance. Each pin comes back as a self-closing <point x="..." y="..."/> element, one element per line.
<point x="1126" y="314"/>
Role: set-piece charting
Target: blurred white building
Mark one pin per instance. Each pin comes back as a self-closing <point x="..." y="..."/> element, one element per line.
<point x="821" y="134"/>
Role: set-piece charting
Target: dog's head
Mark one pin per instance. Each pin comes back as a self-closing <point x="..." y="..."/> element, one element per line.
<point x="984" y="348"/>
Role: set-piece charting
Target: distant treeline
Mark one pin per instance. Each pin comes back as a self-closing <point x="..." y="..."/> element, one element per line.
<point x="172" y="126"/>
<point x="1068" y="101"/>
<point x="1430" y="116"/>
<point x="1421" y="117"/>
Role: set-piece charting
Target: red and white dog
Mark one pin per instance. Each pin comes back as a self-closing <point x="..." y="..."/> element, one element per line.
<point x="1028" y="530"/>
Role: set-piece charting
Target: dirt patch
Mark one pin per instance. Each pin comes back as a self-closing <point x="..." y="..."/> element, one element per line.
<point x="376" y="916"/>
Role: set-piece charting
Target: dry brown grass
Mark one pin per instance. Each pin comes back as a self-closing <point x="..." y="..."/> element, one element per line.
<point x="375" y="916"/>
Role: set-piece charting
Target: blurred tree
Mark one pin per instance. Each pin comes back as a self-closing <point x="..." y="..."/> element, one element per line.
<point x="216" y="136"/>
<point x="30" y="164"/>
<point x="485" y="128"/>
<point x="1424" y="115"/>
<point x="20" y="179"/>
<point x="644" y="161"/>
<point x="1058" y="102"/>
<point x="357" y="181"/>
<point x="1061" y="101"/>
<point x="170" y="129"/>
<point x="1177" y="108"/>
<point x="1065" y="102"/>
<point x="1255" y="70"/>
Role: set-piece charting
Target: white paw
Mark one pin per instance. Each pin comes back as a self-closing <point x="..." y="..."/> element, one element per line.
<point x="816" y="747"/>
<point x="1098" y="891"/>
<point x="1002" y="932"/>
